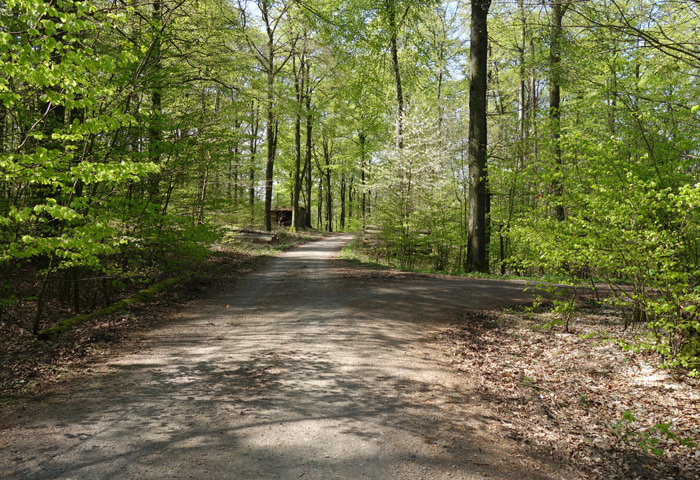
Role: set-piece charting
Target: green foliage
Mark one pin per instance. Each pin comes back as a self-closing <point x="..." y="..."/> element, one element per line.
<point x="128" y="131"/>
<point x="630" y="186"/>
<point x="648" y="439"/>
<point x="417" y="217"/>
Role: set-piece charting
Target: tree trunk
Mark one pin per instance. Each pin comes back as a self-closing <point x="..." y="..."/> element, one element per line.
<point x="393" y="45"/>
<point x="319" y="202"/>
<point x="522" y="99"/>
<point x="296" y="180"/>
<point x="534" y="102"/>
<point x="271" y="128"/>
<point x="477" y="258"/>
<point x="363" y="185"/>
<point x="233" y="187"/>
<point x="254" y="127"/>
<point x="155" y="129"/>
<point x="351" y="196"/>
<point x="558" y="10"/>
<point x="343" y="192"/>
<point x="309" y="143"/>
<point x="327" y="175"/>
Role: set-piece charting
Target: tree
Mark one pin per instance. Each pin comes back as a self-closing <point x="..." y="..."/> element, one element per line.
<point x="558" y="8"/>
<point x="272" y="56"/>
<point x="477" y="246"/>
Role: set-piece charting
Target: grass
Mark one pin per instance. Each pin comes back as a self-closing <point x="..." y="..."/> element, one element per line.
<point x="355" y="252"/>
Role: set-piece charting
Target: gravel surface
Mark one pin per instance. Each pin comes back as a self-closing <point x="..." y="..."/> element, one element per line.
<point x="310" y="367"/>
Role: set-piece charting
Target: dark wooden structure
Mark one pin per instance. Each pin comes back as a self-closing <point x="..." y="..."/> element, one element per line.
<point x="283" y="216"/>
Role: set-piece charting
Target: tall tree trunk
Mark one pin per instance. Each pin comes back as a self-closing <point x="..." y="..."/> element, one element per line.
<point x="522" y="98"/>
<point x="299" y="89"/>
<point x="534" y="102"/>
<point x="351" y="197"/>
<point x="558" y="10"/>
<point x="327" y="175"/>
<point x="319" y="201"/>
<point x="155" y="129"/>
<point x="363" y="185"/>
<point x="394" y="48"/>
<point x="477" y="248"/>
<point x="343" y="192"/>
<point x="233" y="170"/>
<point x="309" y="143"/>
<point x="254" y="128"/>
<point x="229" y="184"/>
<point x="3" y="122"/>
<point x="271" y="14"/>
<point x="271" y="136"/>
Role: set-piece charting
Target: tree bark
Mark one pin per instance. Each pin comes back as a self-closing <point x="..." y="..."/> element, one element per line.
<point x="522" y="99"/>
<point x="363" y="185"/>
<point x="267" y="62"/>
<point x="558" y="10"/>
<point x="477" y="255"/>
<point x="271" y="137"/>
<point x="309" y="143"/>
<point x="343" y="192"/>
<point x="299" y="90"/>
<point x="327" y="154"/>
<point x="254" y="127"/>
<point x="155" y="129"/>
<point x="393" y="44"/>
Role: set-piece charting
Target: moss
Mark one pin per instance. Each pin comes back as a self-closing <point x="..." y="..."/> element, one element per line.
<point x="141" y="296"/>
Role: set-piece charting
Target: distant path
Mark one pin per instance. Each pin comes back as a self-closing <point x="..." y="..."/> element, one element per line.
<point x="319" y="369"/>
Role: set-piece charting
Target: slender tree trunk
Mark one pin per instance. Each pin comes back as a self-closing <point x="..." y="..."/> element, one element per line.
<point x="343" y="193"/>
<point x="327" y="175"/>
<point x="612" y="110"/>
<point x="155" y="129"/>
<point x="254" y="128"/>
<point x="534" y="100"/>
<point x="351" y="197"/>
<point x="41" y="298"/>
<point x="558" y="10"/>
<point x="522" y="98"/>
<point x="234" y="180"/>
<point x="233" y="170"/>
<point x="3" y="122"/>
<point x="203" y="197"/>
<point x="271" y="128"/>
<point x="363" y="184"/>
<point x="309" y="143"/>
<point x="299" y="89"/>
<point x="477" y="255"/>
<point x="229" y="184"/>
<point x="441" y="107"/>
<point x="319" y="201"/>
<point x="394" y="48"/>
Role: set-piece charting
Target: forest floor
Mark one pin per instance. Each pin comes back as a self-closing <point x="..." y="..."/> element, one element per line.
<point x="311" y="367"/>
<point x="31" y="365"/>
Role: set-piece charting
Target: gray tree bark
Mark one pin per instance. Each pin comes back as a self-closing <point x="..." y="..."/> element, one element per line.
<point x="477" y="248"/>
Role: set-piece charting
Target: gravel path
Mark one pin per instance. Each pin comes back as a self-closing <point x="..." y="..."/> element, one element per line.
<point x="309" y="368"/>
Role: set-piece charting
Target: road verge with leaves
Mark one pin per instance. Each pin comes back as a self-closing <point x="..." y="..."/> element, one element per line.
<point x="580" y="397"/>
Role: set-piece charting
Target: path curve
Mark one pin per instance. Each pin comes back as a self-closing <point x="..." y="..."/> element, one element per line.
<point x="310" y="368"/>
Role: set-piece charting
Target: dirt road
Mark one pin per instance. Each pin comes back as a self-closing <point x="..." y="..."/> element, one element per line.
<point x="309" y="368"/>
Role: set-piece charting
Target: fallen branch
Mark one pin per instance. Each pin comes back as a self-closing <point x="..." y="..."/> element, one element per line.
<point x="141" y="296"/>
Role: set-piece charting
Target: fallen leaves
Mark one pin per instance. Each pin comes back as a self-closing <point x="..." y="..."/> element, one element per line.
<point x="567" y="393"/>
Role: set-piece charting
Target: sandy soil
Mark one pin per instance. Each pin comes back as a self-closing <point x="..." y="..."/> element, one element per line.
<point x="310" y="367"/>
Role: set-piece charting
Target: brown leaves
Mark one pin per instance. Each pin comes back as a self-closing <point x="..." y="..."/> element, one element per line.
<point x="567" y="393"/>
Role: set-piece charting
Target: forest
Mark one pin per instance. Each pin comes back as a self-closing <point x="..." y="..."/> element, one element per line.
<point x="550" y="138"/>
